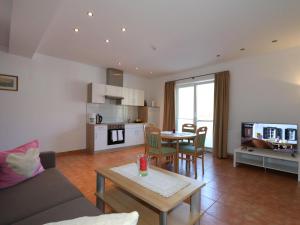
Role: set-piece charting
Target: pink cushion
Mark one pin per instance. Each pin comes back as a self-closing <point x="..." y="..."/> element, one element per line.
<point x="19" y="164"/>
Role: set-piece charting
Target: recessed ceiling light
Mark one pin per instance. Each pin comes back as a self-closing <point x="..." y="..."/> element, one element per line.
<point x="150" y="72"/>
<point x="218" y="55"/>
<point x="90" y="13"/>
<point x="242" y="49"/>
<point x="107" y="40"/>
<point x="76" y="29"/>
<point x="123" y="29"/>
<point x="274" y="41"/>
<point x="136" y="68"/>
<point x="154" y="48"/>
<point x="119" y="63"/>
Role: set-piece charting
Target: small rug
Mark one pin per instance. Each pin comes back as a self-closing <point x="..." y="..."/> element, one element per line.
<point x="156" y="181"/>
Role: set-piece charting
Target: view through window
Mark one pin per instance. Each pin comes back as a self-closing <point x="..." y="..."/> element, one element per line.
<point x="195" y="104"/>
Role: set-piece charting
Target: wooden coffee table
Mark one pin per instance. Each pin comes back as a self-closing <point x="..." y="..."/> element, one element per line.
<point x="127" y="196"/>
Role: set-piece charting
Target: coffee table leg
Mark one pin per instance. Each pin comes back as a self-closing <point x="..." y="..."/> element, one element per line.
<point x="100" y="188"/>
<point x="196" y="204"/>
<point x="163" y="218"/>
<point x="176" y="157"/>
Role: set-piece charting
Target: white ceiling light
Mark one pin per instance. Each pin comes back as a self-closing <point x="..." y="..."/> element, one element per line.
<point x="119" y="63"/>
<point x="150" y="72"/>
<point x="90" y="13"/>
<point x="76" y="29"/>
<point x="123" y="29"/>
<point x="136" y="68"/>
<point x="107" y="40"/>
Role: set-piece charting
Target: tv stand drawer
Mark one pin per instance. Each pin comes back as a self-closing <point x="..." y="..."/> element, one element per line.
<point x="268" y="159"/>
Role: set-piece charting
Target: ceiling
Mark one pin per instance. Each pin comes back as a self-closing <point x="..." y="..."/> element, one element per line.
<point x="162" y="37"/>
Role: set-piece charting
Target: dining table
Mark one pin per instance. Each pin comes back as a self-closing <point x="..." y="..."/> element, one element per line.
<point x="177" y="136"/>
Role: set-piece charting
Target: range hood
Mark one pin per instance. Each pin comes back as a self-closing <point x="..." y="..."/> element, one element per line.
<point x="112" y="97"/>
<point x="114" y="77"/>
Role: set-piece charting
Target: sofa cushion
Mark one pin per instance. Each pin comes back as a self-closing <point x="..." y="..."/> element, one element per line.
<point x="105" y="219"/>
<point x="34" y="195"/>
<point x="19" y="164"/>
<point x="69" y="210"/>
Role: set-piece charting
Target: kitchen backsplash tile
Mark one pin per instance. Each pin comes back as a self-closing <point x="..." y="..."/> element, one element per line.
<point x="112" y="113"/>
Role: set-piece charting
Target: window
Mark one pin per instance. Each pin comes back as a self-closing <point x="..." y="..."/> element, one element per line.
<point x="185" y="103"/>
<point x="195" y="104"/>
<point x="272" y="133"/>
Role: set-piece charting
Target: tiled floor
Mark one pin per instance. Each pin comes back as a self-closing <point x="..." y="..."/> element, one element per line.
<point x="243" y="195"/>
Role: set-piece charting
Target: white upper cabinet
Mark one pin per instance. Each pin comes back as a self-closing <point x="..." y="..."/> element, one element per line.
<point x="96" y="93"/>
<point x="133" y="97"/>
<point x="114" y="91"/>
<point x="140" y="98"/>
<point x="129" y="96"/>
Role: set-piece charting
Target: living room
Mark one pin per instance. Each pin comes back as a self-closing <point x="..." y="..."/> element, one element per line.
<point x="52" y="51"/>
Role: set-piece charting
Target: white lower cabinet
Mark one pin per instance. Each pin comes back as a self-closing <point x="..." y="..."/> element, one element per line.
<point x="97" y="137"/>
<point x="100" y="137"/>
<point x="134" y="134"/>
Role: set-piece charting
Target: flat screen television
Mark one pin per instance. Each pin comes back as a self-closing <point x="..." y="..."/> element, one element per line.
<point x="278" y="137"/>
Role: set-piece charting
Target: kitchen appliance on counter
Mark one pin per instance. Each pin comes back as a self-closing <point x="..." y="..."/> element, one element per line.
<point x="115" y="134"/>
<point x="92" y="118"/>
<point x="98" y="119"/>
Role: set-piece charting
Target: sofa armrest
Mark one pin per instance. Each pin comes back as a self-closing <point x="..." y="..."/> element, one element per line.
<point x="48" y="159"/>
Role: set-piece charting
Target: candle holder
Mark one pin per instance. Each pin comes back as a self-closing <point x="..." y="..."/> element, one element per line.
<point x="142" y="161"/>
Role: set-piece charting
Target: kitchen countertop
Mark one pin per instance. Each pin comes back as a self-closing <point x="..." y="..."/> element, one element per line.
<point x="116" y="123"/>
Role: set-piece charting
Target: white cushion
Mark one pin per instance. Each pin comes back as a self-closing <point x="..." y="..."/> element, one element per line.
<point x="105" y="219"/>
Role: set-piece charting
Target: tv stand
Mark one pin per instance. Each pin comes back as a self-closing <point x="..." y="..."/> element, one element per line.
<point x="268" y="159"/>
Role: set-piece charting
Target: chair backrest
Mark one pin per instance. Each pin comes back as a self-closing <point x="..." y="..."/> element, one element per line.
<point x="199" y="140"/>
<point x="152" y="137"/>
<point x="150" y="125"/>
<point x="145" y="126"/>
<point x="189" y="127"/>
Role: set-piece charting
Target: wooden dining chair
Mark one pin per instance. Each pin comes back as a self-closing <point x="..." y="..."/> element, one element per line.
<point x="147" y="125"/>
<point x="195" y="150"/>
<point x="152" y="125"/>
<point x="155" y="149"/>
<point x="190" y="128"/>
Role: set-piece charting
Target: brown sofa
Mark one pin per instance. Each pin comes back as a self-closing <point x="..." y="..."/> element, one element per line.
<point x="47" y="197"/>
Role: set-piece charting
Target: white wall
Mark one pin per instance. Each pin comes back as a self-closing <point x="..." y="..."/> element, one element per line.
<point x="51" y="102"/>
<point x="262" y="88"/>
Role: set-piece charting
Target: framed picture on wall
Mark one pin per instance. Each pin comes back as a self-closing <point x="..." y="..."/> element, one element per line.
<point x="8" y="82"/>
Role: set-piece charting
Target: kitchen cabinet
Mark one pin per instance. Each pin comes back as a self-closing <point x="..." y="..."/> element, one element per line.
<point x="133" y="97"/>
<point x="139" y="97"/>
<point x="127" y="100"/>
<point x="134" y="134"/>
<point x="96" y="93"/>
<point x="96" y="137"/>
<point x="114" y="91"/>
<point x="100" y="136"/>
<point x="129" y="96"/>
<point x="149" y="114"/>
